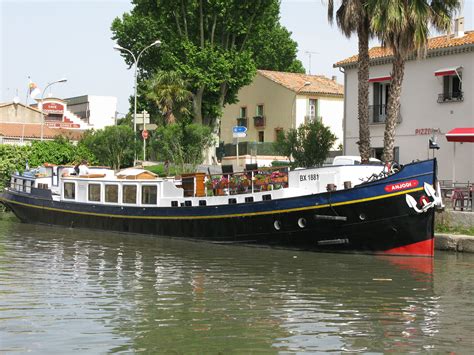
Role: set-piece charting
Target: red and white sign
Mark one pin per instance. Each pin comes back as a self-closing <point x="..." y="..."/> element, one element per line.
<point x="145" y="134"/>
<point x="53" y="108"/>
<point x="401" y="186"/>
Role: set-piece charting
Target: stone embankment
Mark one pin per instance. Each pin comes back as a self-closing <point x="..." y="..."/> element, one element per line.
<point x="455" y="242"/>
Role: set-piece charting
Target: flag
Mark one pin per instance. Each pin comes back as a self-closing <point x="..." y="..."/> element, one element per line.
<point x="34" y="91"/>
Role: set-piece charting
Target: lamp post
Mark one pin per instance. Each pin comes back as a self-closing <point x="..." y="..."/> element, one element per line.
<point x="135" y="60"/>
<point x="62" y="80"/>
<point x="293" y="122"/>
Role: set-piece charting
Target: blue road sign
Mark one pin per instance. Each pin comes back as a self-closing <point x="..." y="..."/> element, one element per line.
<point x="239" y="129"/>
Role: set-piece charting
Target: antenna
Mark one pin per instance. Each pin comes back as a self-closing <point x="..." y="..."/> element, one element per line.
<point x="309" y="55"/>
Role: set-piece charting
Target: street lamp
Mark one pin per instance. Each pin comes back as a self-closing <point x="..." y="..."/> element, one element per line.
<point x="135" y="60"/>
<point x="293" y="121"/>
<point x="62" y="80"/>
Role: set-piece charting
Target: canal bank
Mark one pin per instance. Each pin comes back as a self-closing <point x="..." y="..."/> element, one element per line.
<point x="449" y="219"/>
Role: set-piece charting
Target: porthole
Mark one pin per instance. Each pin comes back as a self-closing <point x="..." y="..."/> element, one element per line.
<point x="277" y="225"/>
<point x="302" y="222"/>
<point x="362" y="217"/>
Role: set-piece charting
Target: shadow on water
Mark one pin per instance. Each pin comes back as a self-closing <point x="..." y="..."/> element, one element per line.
<point x="106" y="292"/>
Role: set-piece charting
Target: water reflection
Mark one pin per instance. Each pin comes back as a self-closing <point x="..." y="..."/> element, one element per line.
<point x="102" y="292"/>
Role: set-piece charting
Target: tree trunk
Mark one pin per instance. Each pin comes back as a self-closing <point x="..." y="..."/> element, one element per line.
<point x="393" y="106"/>
<point x="363" y="93"/>
<point x="197" y="105"/>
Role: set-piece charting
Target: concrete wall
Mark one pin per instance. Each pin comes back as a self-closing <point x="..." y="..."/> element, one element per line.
<point x="102" y="111"/>
<point x="420" y="110"/>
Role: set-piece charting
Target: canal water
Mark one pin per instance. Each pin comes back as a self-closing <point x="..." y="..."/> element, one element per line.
<point x="71" y="291"/>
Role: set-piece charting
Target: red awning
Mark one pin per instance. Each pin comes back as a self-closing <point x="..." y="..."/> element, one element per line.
<point x="461" y="135"/>
<point x="380" y="79"/>
<point x="447" y="71"/>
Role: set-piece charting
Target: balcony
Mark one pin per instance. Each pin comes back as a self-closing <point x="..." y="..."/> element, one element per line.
<point x="455" y="96"/>
<point x="259" y="121"/>
<point x="242" y="121"/>
<point x="378" y="114"/>
<point x="312" y="118"/>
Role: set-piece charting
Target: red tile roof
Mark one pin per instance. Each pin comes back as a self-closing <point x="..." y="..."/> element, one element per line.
<point x="33" y="130"/>
<point x="318" y="84"/>
<point x="434" y="43"/>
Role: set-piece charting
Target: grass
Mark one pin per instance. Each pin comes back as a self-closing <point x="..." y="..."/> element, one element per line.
<point x="445" y="224"/>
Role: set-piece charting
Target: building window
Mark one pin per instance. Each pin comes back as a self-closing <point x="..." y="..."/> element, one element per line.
<point x="243" y="112"/>
<point x="149" y="195"/>
<point x="278" y="131"/>
<point x="378" y="110"/>
<point x="378" y="153"/>
<point x="94" y="192"/>
<point x="129" y="194"/>
<point x="70" y="190"/>
<point x="261" y="136"/>
<point x="259" y="111"/>
<point x="313" y="110"/>
<point x="452" y="89"/>
<point x="111" y="193"/>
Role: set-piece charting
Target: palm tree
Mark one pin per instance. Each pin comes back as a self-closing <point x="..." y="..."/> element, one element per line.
<point x="352" y="17"/>
<point x="403" y="26"/>
<point x="168" y="91"/>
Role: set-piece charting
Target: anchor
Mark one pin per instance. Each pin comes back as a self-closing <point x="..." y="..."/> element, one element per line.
<point x="436" y="202"/>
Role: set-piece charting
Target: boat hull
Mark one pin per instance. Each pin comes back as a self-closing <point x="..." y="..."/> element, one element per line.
<point x="369" y="218"/>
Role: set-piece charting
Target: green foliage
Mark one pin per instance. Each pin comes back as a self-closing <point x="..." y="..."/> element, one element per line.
<point x="12" y="158"/>
<point x="162" y="170"/>
<point x="215" y="45"/>
<point x="60" y="151"/>
<point x="113" y="145"/>
<point x="169" y="93"/>
<point x="182" y="144"/>
<point x="308" y="145"/>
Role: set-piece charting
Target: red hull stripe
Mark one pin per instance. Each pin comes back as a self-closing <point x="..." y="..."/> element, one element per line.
<point x="424" y="248"/>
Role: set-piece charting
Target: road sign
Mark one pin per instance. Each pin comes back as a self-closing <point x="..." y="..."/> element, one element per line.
<point x="239" y="129"/>
<point x="145" y="134"/>
<point x="239" y="135"/>
<point x="151" y="126"/>
<point x="143" y="117"/>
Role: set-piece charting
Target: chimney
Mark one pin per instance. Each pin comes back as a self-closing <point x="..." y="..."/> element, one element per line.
<point x="459" y="27"/>
<point x="334" y="78"/>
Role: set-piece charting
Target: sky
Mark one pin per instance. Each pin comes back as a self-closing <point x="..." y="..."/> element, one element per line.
<point x="47" y="40"/>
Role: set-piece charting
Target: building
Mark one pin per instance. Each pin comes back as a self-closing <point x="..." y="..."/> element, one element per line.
<point x="21" y="124"/>
<point x="278" y="101"/>
<point x="437" y="97"/>
<point x="96" y="111"/>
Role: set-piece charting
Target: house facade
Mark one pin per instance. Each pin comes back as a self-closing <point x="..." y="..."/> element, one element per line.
<point x="437" y="97"/>
<point x="279" y="101"/>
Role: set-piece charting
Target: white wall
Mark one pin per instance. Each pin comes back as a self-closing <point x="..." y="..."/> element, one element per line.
<point x="420" y="109"/>
<point x="332" y="113"/>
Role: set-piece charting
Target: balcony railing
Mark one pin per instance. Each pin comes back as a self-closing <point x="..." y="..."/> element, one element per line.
<point x="242" y="121"/>
<point x="378" y="114"/>
<point x="312" y="118"/>
<point x="259" y="121"/>
<point x="455" y="96"/>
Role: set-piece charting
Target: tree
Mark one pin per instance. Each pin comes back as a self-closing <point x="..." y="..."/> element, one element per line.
<point x="182" y="144"/>
<point x="403" y="26"/>
<point x="353" y="17"/>
<point x="113" y="145"/>
<point x="213" y="44"/>
<point x="168" y="91"/>
<point x="308" y="145"/>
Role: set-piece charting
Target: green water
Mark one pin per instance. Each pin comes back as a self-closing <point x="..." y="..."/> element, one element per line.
<point x="68" y="291"/>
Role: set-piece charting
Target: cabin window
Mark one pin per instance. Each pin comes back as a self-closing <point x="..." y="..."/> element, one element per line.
<point x="42" y="186"/>
<point x="232" y="201"/>
<point x="149" y="193"/>
<point x="266" y="197"/>
<point x="111" y="193"/>
<point x="249" y="199"/>
<point x="174" y="203"/>
<point x="129" y="194"/>
<point x="202" y="203"/>
<point x="188" y="203"/>
<point x="94" y="192"/>
<point x="70" y="190"/>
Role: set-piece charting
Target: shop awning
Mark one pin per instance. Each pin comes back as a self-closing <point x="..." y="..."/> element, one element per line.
<point x="447" y="71"/>
<point x="461" y="135"/>
<point x="379" y="79"/>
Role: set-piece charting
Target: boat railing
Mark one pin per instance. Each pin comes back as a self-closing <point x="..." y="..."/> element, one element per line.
<point x="249" y="181"/>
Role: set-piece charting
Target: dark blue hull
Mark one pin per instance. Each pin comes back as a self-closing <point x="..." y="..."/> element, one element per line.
<point x="370" y="218"/>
